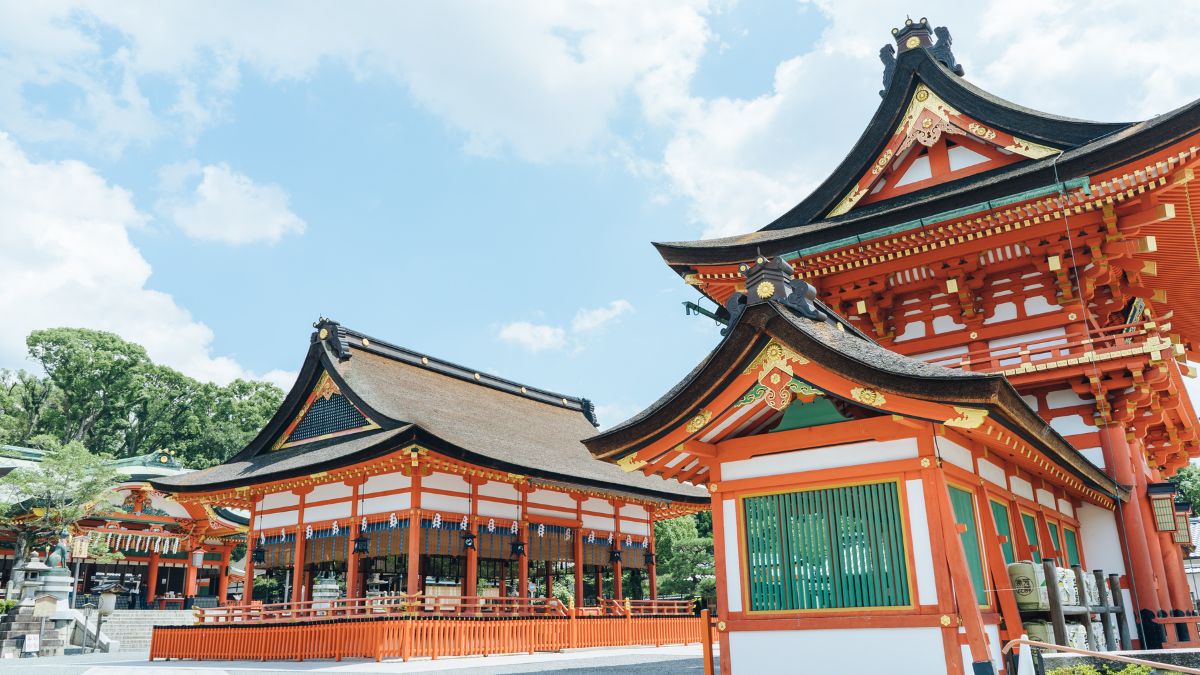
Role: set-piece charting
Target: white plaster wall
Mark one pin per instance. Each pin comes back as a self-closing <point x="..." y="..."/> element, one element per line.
<point x="851" y="454"/>
<point x="281" y="519"/>
<point x="596" y="522"/>
<point x="387" y="504"/>
<point x="313" y="514"/>
<point x="1046" y="499"/>
<point x="1068" y="425"/>
<point x="1039" y="305"/>
<point x="435" y="502"/>
<point x="497" y="489"/>
<point x="992" y="473"/>
<point x="634" y="511"/>
<point x="446" y="481"/>
<point x="1064" y="398"/>
<point x="946" y="324"/>
<point x="635" y="528"/>
<point x="918" y="527"/>
<point x="733" y="568"/>
<point x="1021" y="487"/>
<point x="387" y="481"/>
<point x="497" y="509"/>
<point x="848" y="651"/>
<point x="552" y="498"/>
<point x="279" y="500"/>
<point x="1064" y="506"/>
<point x="329" y="491"/>
<point x="596" y="505"/>
<point x="1101" y="544"/>
<point x="1005" y="311"/>
<point x="940" y="353"/>
<point x="1027" y="337"/>
<point x="955" y="454"/>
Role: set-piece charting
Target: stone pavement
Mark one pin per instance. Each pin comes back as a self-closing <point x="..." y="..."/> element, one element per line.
<point x="627" y="661"/>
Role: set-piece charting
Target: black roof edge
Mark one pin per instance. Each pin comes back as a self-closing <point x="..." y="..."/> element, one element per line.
<point x="914" y="66"/>
<point x="407" y="356"/>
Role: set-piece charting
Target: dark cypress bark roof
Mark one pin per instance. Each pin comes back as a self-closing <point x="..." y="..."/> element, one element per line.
<point x="1087" y="148"/>
<point x="856" y="358"/>
<point x="445" y="407"/>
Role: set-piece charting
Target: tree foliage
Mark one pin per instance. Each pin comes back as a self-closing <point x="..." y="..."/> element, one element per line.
<point x="1188" y="481"/>
<point x="106" y="393"/>
<point x="685" y="558"/>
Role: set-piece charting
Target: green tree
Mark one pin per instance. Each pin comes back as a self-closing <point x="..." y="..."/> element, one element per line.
<point x="98" y="374"/>
<point x="1188" y="481"/>
<point x="685" y="559"/>
<point x="40" y="502"/>
<point x="28" y="406"/>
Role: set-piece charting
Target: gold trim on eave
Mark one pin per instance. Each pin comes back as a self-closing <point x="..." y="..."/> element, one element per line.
<point x="968" y="418"/>
<point x="697" y="423"/>
<point x="630" y="463"/>
<point x="868" y="396"/>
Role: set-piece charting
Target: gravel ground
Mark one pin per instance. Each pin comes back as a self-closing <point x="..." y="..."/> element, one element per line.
<point x="645" y="661"/>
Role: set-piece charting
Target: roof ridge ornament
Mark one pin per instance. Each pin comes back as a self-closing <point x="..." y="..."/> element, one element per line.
<point x="774" y="279"/>
<point x="918" y="35"/>
<point x="328" y="328"/>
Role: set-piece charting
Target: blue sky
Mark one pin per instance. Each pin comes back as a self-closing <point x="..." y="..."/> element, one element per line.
<point x="479" y="184"/>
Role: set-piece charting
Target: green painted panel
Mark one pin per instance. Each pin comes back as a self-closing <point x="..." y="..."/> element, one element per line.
<point x="1004" y="529"/>
<point x="832" y="548"/>
<point x="963" y="503"/>
<point x="1072" y="544"/>
<point x="800" y="415"/>
<point x="1055" y="538"/>
<point x="1030" y="525"/>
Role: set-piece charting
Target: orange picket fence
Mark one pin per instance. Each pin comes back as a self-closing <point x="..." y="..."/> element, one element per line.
<point x="393" y="637"/>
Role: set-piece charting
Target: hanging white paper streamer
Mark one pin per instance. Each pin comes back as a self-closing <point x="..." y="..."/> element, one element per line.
<point x="308" y="532"/>
<point x="463" y="526"/>
<point x="491" y="524"/>
<point x="567" y="536"/>
<point x="393" y="521"/>
<point x="513" y="529"/>
<point x="437" y="521"/>
<point x="592" y="537"/>
<point x="541" y="530"/>
<point x="610" y="537"/>
<point x="364" y="524"/>
<point x="335" y="528"/>
<point x="628" y="541"/>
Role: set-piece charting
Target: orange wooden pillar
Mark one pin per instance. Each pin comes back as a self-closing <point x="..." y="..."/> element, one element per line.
<point x="471" y="579"/>
<point x="190" y="569"/>
<point x="960" y="574"/>
<point x="523" y="560"/>
<point x="248" y="571"/>
<point x="299" y="551"/>
<point x="414" y="534"/>
<point x="152" y="578"/>
<point x="223" y="576"/>
<point x="577" y="556"/>
<point x="718" y="523"/>
<point x="352" y="589"/>
<point x="1118" y="463"/>
<point x="618" y="591"/>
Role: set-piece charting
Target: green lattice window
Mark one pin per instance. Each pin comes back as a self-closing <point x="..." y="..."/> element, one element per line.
<point x="1030" y="524"/>
<point x="1057" y="542"/>
<point x="1071" y="541"/>
<point x="821" y="549"/>
<point x="1004" y="529"/>
<point x="963" y="503"/>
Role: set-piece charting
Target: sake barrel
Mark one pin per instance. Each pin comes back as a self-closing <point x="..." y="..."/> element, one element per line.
<point x="1029" y="585"/>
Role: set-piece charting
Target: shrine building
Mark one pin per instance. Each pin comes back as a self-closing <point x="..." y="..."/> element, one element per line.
<point x="388" y="473"/>
<point x="977" y="324"/>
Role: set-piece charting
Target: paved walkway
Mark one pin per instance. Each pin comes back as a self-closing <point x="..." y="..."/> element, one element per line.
<point x="634" y="661"/>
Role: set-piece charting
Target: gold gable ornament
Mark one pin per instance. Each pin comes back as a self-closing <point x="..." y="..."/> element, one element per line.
<point x="630" y="463"/>
<point x="968" y="418"/>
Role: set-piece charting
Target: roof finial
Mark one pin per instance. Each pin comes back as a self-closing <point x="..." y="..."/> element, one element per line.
<point x="917" y="35"/>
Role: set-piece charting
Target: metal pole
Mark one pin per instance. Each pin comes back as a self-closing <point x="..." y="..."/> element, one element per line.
<point x="74" y="585"/>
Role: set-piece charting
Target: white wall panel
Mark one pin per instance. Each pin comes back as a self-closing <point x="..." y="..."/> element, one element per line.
<point x="281" y="519"/>
<point x="435" y="502"/>
<point x="498" y="489"/>
<point x="846" y="651"/>
<point x="597" y="505"/>
<point x="955" y="454"/>
<point x="313" y="514"/>
<point x="1021" y="487"/>
<point x="918" y="527"/>
<point x="497" y="509"/>
<point x="635" y="528"/>
<point x="991" y="472"/>
<point x="279" y="500"/>
<point x="321" y="493"/>
<point x="1046" y="499"/>
<point x="598" y="523"/>
<point x="446" y="481"/>
<point x="387" y="481"/>
<point x="387" y="504"/>
<point x="733" y="555"/>
<point x="851" y="454"/>
<point x="560" y="499"/>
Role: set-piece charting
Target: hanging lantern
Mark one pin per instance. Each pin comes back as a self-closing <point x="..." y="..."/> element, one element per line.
<point x="1162" y="504"/>
<point x="649" y="557"/>
<point x="491" y="524"/>
<point x="198" y="557"/>
<point x="259" y="554"/>
<point x="393" y="521"/>
<point x="614" y="556"/>
<point x="468" y="539"/>
<point x="517" y="549"/>
<point x="362" y="544"/>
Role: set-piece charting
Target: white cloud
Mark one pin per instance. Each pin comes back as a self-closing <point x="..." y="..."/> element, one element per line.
<point x="227" y="206"/>
<point x="540" y="79"/>
<point x="548" y="337"/>
<point x="67" y="260"/>
<point x="587" y="320"/>
<point x="534" y="337"/>
<point x="740" y="163"/>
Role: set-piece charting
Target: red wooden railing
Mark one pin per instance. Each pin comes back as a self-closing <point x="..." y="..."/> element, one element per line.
<point x="429" y="605"/>
<point x="1053" y="348"/>
<point x="390" y="637"/>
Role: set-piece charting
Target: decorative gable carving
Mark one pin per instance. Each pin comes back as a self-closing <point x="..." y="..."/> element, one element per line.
<point x="326" y="413"/>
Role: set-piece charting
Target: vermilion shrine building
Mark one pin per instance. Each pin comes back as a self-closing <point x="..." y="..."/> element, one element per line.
<point x="388" y="472"/>
<point x="967" y="232"/>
